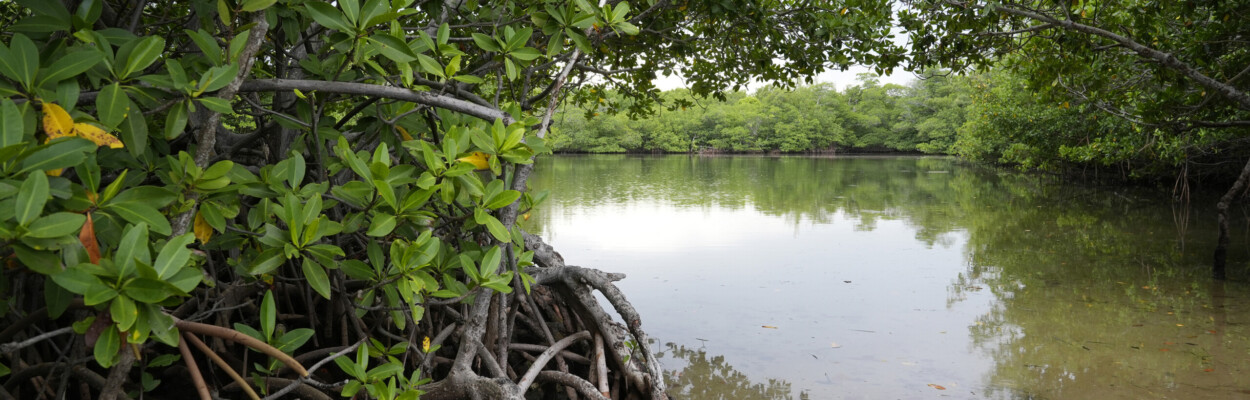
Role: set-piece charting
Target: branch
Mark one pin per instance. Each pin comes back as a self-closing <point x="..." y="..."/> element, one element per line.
<point x="196" y="377"/>
<point x="1164" y="59"/>
<point x="573" y="381"/>
<point x="303" y="380"/>
<point x="243" y="339"/>
<point x="383" y="91"/>
<point x="10" y="347"/>
<point x="546" y="356"/>
<point x="251" y="394"/>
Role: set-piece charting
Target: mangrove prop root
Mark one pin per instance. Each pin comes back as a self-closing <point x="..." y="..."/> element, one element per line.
<point x="212" y="355"/>
<point x="196" y="377"/>
<point x="243" y="339"/>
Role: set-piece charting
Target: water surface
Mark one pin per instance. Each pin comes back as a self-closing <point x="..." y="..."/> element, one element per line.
<point x="903" y="277"/>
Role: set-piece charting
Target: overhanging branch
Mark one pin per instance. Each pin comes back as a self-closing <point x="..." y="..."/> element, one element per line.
<point x="383" y="91"/>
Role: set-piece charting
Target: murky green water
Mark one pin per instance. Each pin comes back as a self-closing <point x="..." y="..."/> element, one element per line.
<point x="903" y="277"/>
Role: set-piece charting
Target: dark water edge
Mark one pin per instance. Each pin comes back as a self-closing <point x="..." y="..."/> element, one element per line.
<point x="906" y="277"/>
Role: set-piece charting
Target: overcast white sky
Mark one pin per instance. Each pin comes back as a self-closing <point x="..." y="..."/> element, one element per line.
<point x="841" y="79"/>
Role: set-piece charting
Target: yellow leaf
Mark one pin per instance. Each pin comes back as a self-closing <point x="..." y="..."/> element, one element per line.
<point x="403" y="133"/>
<point x="300" y="94"/>
<point x="54" y="172"/>
<point x="936" y="386"/>
<point x="56" y="122"/>
<point x="768" y="326"/>
<point x="844" y="11"/>
<point x="203" y="231"/>
<point x="478" y="159"/>
<point x="97" y="136"/>
<point x="425" y="345"/>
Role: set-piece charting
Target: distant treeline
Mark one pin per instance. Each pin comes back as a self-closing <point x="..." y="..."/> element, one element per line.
<point x="922" y="117"/>
<point x="990" y="117"/>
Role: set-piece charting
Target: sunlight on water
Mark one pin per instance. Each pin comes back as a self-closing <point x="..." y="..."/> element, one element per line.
<point x="897" y="278"/>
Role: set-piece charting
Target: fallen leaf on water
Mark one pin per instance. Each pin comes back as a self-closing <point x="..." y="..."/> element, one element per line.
<point x="1180" y="324"/>
<point x="769" y="327"/>
<point x="835" y="345"/>
<point x="1209" y="370"/>
<point x="1212" y="332"/>
<point x="937" y="386"/>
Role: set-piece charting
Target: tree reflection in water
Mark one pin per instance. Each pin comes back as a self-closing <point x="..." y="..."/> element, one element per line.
<point x="705" y="378"/>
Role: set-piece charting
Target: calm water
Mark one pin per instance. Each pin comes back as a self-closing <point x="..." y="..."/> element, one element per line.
<point x="877" y="278"/>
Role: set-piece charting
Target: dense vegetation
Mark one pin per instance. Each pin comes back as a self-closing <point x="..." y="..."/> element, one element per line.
<point x="246" y="198"/>
<point x="814" y="118"/>
<point x="301" y="179"/>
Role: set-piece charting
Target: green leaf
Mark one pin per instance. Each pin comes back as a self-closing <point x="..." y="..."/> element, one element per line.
<point x="70" y="65"/>
<point x="503" y="199"/>
<point x="328" y="16"/>
<point x="385" y="190"/>
<point x="510" y="69"/>
<point x="268" y="315"/>
<point x="124" y="312"/>
<point x="56" y="297"/>
<point x="135" y="132"/>
<point x="490" y="262"/>
<point x="76" y="280"/>
<point x="30" y="198"/>
<point x="143" y="55"/>
<point x="133" y="247"/>
<point x="12" y="128"/>
<point x="146" y="290"/>
<point x="316" y="276"/>
<point x="61" y="153"/>
<point x="20" y="61"/>
<point x="4" y="370"/>
<point x="257" y="5"/>
<point x="176" y="121"/>
<point x="139" y="212"/>
<point x="112" y="105"/>
<point x="186" y="279"/>
<point x="291" y="341"/>
<point x="218" y="77"/>
<point x="429" y="65"/>
<point x="525" y="54"/>
<point x="162" y="325"/>
<point x="207" y="44"/>
<point x="381" y="225"/>
<point x="98" y="294"/>
<point x="173" y="256"/>
<point x="351" y="9"/>
<point x="267" y="261"/>
<point x="393" y="48"/>
<point x="106" y="347"/>
<point x="486" y="42"/>
<point x="495" y="227"/>
<point x="56" y="225"/>
<point x="216" y="104"/>
<point x="53" y="9"/>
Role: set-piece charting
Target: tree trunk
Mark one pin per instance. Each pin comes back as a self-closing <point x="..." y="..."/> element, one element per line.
<point x="1221" y="245"/>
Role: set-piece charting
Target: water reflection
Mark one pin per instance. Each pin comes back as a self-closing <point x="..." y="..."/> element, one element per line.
<point x="709" y="377"/>
<point x="894" y="277"/>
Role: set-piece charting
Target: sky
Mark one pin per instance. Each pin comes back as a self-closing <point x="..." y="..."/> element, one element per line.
<point x="841" y="79"/>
